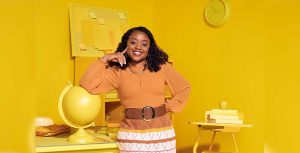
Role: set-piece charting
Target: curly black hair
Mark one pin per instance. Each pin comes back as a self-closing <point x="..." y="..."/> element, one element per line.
<point x="155" y="58"/>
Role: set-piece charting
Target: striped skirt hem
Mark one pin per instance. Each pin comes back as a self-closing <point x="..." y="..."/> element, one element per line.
<point x="161" y="140"/>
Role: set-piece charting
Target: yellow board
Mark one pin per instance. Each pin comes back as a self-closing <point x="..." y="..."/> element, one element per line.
<point x="94" y="30"/>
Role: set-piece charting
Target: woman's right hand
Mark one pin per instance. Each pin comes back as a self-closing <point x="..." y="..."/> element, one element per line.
<point x="115" y="57"/>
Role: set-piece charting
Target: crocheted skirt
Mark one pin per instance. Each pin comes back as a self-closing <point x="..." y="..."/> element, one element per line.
<point x="139" y="136"/>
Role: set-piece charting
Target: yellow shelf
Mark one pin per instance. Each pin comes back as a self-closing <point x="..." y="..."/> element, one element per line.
<point x="112" y="100"/>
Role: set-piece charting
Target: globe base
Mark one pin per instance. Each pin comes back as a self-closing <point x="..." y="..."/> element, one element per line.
<point x="81" y="136"/>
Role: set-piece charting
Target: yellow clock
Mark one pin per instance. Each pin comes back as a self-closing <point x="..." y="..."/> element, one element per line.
<point x="217" y="12"/>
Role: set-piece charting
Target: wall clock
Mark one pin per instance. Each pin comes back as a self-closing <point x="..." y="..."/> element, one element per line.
<point x="217" y="12"/>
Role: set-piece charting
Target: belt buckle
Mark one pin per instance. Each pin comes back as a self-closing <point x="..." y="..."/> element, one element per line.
<point x="153" y="113"/>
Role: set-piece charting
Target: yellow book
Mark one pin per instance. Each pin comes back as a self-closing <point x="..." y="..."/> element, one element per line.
<point x="228" y="117"/>
<point x="225" y="110"/>
<point x="222" y="117"/>
<point x="221" y="113"/>
<point x="224" y="121"/>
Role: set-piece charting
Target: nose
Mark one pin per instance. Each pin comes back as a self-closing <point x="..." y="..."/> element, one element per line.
<point x="138" y="46"/>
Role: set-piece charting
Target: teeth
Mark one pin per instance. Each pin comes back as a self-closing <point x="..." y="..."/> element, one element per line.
<point x="137" y="52"/>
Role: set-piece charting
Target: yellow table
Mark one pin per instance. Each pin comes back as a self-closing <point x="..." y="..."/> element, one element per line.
<point x="60" y="144"/>
<point x="216" y="127"/>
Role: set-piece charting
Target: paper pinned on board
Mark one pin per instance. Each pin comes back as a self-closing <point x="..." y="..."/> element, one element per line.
<point x="82" y="47"/>
<point x="101" y="37"/>
<point x="122" y="15"/>
<point x="101" y="21"/>
<point x="92" y="15"/>
<point x="87" y="33"/>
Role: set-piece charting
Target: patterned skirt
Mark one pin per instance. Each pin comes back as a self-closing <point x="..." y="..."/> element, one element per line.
<point x="139" y="136"/>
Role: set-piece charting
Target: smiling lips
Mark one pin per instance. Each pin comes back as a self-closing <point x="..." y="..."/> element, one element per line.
<point x="137" y="52"/>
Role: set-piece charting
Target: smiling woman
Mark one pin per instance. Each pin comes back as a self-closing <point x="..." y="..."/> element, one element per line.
<point x="138" y="70"/>
<point x="138" y="48"/>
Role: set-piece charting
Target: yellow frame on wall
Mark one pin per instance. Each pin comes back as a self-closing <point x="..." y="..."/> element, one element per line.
<point x="95" y="31"/>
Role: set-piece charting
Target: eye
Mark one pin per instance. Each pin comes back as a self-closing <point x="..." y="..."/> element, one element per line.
<point x="145" y="45"/>
<point x="132" y="42"/>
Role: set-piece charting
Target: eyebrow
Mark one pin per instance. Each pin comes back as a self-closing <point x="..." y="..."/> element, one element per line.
<point x="137" y="39"/>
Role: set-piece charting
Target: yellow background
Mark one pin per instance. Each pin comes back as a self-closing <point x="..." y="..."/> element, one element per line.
<point x="252" y="62"/>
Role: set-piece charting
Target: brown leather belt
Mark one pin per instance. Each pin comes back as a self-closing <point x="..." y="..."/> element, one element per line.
<point x="147" y="113"/>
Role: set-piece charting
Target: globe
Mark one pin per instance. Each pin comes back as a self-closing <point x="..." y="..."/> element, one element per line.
<point x="78" y="108"/>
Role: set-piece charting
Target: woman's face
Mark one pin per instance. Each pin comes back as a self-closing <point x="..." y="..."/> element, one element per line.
<point x="138" y="45"/>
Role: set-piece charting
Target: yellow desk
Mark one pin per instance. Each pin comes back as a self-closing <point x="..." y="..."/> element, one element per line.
<point x="60" y="144"/>
<point x="214" y="127"/>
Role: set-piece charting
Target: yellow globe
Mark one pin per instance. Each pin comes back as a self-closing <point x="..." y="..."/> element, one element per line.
<point x="78" y="108"/>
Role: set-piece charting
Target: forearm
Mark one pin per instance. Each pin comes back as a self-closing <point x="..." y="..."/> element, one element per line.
<point x="92" y="78"/>
<point x="178" y="101"/>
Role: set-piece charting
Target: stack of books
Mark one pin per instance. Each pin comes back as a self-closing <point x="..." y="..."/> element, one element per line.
<point x="226" y="116"/>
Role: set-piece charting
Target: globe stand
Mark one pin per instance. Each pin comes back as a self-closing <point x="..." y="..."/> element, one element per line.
<point x="79" y="109"/>
<point x="81" y="136"/>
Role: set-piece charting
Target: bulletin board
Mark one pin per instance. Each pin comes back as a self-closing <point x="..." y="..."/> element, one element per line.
<point x="96" y="31"/>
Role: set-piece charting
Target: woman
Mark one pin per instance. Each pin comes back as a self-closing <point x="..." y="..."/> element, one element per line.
<point x="138" y="70"/>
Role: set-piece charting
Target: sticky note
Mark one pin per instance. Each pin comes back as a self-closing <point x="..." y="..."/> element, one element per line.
<point x="92" y="15"/>
<point x="122" y="16"/>
<point x="82" y="47"/>
<point x="101" y="21"/>
<point x="101" y="38"/>
<point x="87" y="33"/>
<point x="115" y="32"/>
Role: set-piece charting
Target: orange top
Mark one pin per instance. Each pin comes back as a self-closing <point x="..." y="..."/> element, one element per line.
<point x="137" y="90"/>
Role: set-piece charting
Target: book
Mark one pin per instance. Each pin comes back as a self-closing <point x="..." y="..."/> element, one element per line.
<point x="51" y="130"/>
<point x="222" y="117"/>
<point x="233" y="111"/>
<point x="224" y="121"/>
<point x="221" y="113"/>
<point x="228" y="117"/>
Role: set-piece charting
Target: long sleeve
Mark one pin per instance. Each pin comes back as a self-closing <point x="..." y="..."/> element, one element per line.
<point x="100" y="78"/>
<point x="180" y="89"/>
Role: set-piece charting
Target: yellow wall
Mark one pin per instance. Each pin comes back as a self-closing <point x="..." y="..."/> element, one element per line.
<point x="54" y="63"/>
<point x="17" y="66"/>
<point x="226" y="63"/>
<point x="252" y="62"/>
<point x="282" y="79"/>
